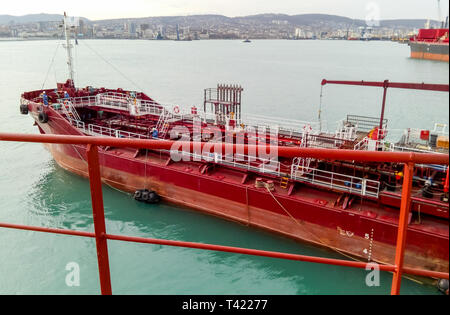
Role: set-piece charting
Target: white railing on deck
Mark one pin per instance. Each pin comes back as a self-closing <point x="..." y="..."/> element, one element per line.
<point x="123" y="102"/>
<point x="281" y="125"/>
<point x="95" y="130"/>
<point x="337" y="181"/>
<point x="383" y="145"/>
<point x="239" y="161"/>
<point x="81" y="101"/>
<point x="356" y="185"/>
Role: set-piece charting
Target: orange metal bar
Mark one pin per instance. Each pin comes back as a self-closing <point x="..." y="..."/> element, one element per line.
<point x="383" y="105"/>
<point x="248" y="251"/>
<point x="402" y="227"/>
<point x="229" y="249"/>
<point x="99" y="219"/>
<point x="397" y="85"/>
<point x="46" y="230"/>
<point x="331" y="154"/>
<point x="386" y="84"/>
<point x="255" y="252"/>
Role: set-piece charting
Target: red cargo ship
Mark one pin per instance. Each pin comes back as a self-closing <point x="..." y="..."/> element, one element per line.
<point x="349" y="207"/>
<point x="430" y="44"/>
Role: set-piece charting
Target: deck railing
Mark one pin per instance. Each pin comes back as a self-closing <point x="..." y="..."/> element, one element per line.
<point x="123" y="102"/>
<point x="336" y="181"/>
<point x="383" y="145"/>
<point x="242" y="161"/>
<point x="332" y="180"/>
<point x="102" y="131"/>
<point x="102" y="236"/>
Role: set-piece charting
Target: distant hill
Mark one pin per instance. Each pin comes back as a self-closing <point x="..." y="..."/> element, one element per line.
<point x="301" y="19"/>
<point x="309" y="19"/>
<point x="31" y="18"/>
<point x="214" y="19"/>
<point x="413" y="23"/>
<point x="270" y="18"/>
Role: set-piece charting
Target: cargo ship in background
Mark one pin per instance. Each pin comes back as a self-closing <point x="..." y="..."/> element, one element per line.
<point x="431" y="43"/>
<point x="352" y="208"/>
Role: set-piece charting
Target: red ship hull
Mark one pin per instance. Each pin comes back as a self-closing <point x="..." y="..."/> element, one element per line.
<point x="366" y="230"/>
<point x="430" y="44"/>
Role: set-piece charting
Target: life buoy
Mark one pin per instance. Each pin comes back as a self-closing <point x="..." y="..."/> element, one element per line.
<point x="176" y="109"/>
<point x="307" y="128"/>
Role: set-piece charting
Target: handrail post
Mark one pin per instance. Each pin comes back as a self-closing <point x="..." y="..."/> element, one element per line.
<point x="99" y="219"/>
<point x="402" y="227"/>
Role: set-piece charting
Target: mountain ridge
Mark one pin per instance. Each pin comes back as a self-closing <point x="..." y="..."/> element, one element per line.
<point x="264" y="18"/>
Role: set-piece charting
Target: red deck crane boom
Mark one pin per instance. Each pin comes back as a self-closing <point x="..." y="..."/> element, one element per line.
<point x="386" y="84"/>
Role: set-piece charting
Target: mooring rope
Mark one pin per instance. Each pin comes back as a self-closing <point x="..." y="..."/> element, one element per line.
<point x="317" y="238"/>
<point x="112" y="66"/>
<point x="50" y="66"/>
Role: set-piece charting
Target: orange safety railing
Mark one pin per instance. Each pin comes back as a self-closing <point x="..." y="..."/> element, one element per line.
<point x="101" y="236"/>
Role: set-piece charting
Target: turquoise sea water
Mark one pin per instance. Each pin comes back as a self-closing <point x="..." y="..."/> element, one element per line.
<point x="280" y="78"/>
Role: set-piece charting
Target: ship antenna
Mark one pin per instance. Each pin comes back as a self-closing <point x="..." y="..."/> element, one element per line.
<point x="68" y="47"/>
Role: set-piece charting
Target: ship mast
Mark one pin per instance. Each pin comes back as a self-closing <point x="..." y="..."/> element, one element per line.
<point x="68" y="47"/>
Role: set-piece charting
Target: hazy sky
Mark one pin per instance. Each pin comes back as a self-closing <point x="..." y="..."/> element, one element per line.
<point x="105" y="9"/>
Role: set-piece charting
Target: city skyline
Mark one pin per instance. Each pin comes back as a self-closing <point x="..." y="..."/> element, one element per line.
<point x="101" y="10"/>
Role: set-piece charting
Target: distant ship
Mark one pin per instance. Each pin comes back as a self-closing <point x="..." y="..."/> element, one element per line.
<point x="431" y="44"/>
<point x="247" y="41"/>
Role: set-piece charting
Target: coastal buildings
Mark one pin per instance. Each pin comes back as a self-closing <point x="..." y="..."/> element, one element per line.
<point x="265" y="26"/>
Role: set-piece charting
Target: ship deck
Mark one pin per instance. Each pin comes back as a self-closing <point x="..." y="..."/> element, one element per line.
<point x="361" y="207"/>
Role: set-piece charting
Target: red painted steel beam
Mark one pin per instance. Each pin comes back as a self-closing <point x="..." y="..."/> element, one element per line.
<point x="99" y="219"/>
<point x="247" y="251"/>
<point x="329" y="154"/>
<point x="426" y="273"/>
<point x="383" y="105"/>
<point x="46" y="230"/>
<point x="221" y="248"/>
<point x="397" y="85"/>
<point x="386" y="84"/>
<point x="256" y="252"/>
<point x="405" y="208"/>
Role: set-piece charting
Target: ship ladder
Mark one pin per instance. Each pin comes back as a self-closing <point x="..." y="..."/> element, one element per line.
<point x="70" y="110"/>
<point x="284" y="182"/>
<point x="164" y="130"/>
<point x="162" y="124"/>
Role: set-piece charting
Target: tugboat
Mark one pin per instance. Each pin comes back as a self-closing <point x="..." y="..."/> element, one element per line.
<point x="352" y="208"/>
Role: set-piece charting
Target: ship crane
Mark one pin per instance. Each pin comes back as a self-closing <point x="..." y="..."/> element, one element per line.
<point x="439" y="11"/>
<point x="443" y="22"/>
<point x="387" y="84"/>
